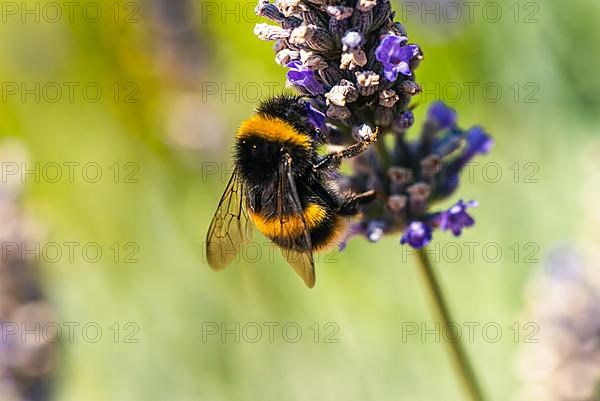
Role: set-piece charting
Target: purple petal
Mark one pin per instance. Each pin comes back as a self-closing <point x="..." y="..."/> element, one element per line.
<point x="456" y="218"/>
<point x="388" y="47"/>
<point x="404" y="120"/>
<point x="478" y="142"/>
<point x="390" y="74"/>
<point x="316" y="117"/>
<point x="417" y="235"/>
<point x="375" y="230"/>
<point x="441" y="115"/>
<point x="403" y="68"/>
<point x="404" y="54"/>
<point x="354" y="230"/>
<point x="395" y="56"/>
<point x="303" y="78"/>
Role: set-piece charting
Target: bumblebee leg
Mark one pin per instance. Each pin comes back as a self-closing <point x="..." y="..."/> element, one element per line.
<point x="350" y="206"/>
<point x="334" y="159"/>
<point x="324" y="195"/>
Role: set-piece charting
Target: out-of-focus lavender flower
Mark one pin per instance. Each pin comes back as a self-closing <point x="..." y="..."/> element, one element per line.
<point x="456" y="218"/>
<point x="26" y="362"/>
<point x="395" y="55"/>
<point x="442" y="116"/>
<point x="417" y="235"/>
<point x="303" y="78"/>
<point x="560" y="357"/>
<point x="183" y="48"/>
<point x="478" y="142"/>
<point x="404" y="120"/>
<point x="358" y="67"/>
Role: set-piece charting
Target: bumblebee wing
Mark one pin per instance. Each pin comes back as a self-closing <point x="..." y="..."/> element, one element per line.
<point x="302" y="263"/>
<point x="230" y="228"/>
<point x="296" y="249"/>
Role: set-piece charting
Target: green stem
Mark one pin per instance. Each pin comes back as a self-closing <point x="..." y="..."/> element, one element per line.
<point x="459" y="358"/>
<point x="382" y="151"/>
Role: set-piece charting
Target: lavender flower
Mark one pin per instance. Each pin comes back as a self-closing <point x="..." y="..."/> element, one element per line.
<point x="441" y="115"/>
<point x="395" y="55"/>
<point x="456" y="218"/>
<point x="26" y="362"/>
<point x="358" y="67"/>
<point x="303" y="78"/>
<point x="560" y="358"/>
<point x="404" y="121"/>
<point x="412" y="176"/>
<point x="316" y="117"/>
<point x="417" y="235"/>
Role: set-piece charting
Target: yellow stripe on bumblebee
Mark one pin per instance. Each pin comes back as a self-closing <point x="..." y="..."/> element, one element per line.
<point x="292" y="225"/>
<point x="273" y="129"/>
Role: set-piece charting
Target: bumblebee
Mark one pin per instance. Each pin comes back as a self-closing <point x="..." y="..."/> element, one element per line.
<point x="283" y="187"/>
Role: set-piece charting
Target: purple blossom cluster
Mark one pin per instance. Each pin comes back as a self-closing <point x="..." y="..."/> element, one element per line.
<point x="356" y="67"/>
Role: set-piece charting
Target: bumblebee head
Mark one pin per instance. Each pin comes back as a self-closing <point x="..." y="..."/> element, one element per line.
<point x="258" y="159"/>
<point x="263" y="142"/>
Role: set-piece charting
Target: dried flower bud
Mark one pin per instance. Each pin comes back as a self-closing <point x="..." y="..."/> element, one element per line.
<point x="366" y="5"/>
<point x="313" y="37"/>
<point x="400" y="175"/>
<point x="291" y="23"/>
<point x="383" y="116"/>
<point x="270" y="32"/>
<point x="331" y="75"/>
<point x="340" y="12"/>
<point x="313" y="16"/>
<point x="341" y="94"/>
<point x="312" y="60"/>
<point x="352" y="59"/>
<point x="409" y="87"/>
<point x="418" y="194"/>
<point x="362" y="21"/>
<point x="290" y="7"/>
<point x="396" y="203"/>
<point x="338" y="112"/>
<point x="279" y="45"/>
<point x="367" y="82"/>
<point x="301" y="35"/>
<point x="285" y="56"/>
<point x="337" y="28"/>
<point x="431" y="165"/>
<point x="388" y="97"/>
<point x="381" y="16"/>
<point x="268" y="10"/>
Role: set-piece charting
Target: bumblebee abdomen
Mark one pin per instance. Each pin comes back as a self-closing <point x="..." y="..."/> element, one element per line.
<point x="327" y="233"/>
<point x="291" y="226"/>
<point x="322" y="224"/>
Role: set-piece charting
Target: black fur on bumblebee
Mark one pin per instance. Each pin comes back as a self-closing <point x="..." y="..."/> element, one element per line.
<point x="283" y="187"/>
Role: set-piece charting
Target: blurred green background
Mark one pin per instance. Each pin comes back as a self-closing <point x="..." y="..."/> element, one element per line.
<point x="176" y="78"/>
